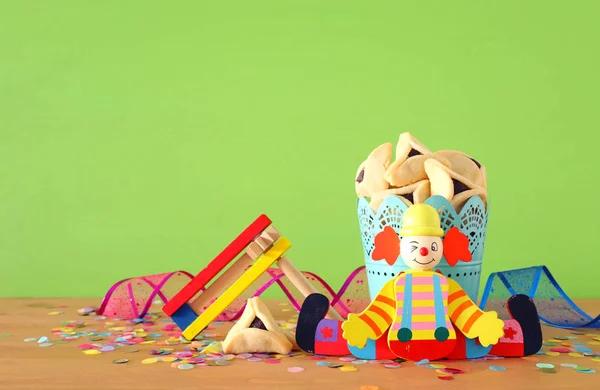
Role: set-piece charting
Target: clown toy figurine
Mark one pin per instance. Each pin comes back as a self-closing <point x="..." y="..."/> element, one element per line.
<point x="420" y="313"/>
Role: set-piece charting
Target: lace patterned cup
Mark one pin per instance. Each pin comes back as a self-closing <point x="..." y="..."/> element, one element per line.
<point x="472" y="221"/>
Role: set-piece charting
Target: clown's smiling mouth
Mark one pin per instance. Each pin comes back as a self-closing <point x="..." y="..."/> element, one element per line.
<point x="418" y="262"/>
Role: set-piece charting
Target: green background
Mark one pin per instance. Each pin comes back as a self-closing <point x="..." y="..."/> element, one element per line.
<point x="141" y="137"/>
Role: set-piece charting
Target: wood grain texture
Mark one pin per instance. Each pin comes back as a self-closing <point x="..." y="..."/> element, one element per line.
<point x="65" y="367"/>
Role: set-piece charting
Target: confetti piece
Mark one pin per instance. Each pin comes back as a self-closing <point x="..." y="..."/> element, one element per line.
<point x="392" y="365"/>
<point x="272" y="361"/>
<point x="54" y="313"/>
<point x="530" y="358"/>
<point x="334" y="365"/>
<point x="185" y="366"/>
<point x="446" y="377"/>
<point x="548" y="370"/>
<point x="452" y="370"/>
<point x="244" y="356"/>
<point x="5" y="335"/>
<point x="120" y="361"/>
<point x="360" y="361"/>
<point x="42" y="340"/>
<point x="46" y="344"/>
<point x="149" y="361"/>
<point x="552" y="353"/>
<point x="437" y="366"/>
<point x="254" y="359"/>
<point x="575" y="354"/>
<point x="323" y="364"/>
<point x="169" y="359"/>
<point x="223" y="363"/>
<point x="560" y="350"/>
<point x="569" y="365"/>
<point x="92" y="352"/>
<point x="544" y="365"/>
<point x="348" y="368"/>
<point x="30" y="339"/>
<point x="581" y="368"/>
<point x="577" y="332"/>
<point x="295" y="369"/>
<point x="421" y="362"/>
<point x="348" y="359"/>
<point x="497" y="368"/>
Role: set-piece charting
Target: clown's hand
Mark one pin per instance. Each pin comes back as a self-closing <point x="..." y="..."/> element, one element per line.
<point x="356" y="331"/>
<point x="488" y="328"/>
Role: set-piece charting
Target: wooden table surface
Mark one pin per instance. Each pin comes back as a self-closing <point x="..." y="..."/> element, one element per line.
<point x="25" y="365"/>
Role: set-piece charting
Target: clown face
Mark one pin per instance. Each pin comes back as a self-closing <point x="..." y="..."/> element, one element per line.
<point x="421" y="252"/>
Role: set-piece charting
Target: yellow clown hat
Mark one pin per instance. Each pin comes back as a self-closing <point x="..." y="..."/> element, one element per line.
<point x="421" y="220"/>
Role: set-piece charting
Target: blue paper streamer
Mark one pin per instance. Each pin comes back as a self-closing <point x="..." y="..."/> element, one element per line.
<point x="554" y="306"/>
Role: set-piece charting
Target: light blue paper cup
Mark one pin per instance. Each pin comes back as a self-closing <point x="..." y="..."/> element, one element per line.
<point x="472" y="221"/>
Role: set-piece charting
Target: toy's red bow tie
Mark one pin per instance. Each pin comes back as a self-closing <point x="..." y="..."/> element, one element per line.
<point x="455" y="246"/>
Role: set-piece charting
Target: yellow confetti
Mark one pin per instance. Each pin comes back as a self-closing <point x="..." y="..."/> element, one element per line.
<point x="576" y="354"/>
<point x="92" y="352"/>
<point x="550" y="353"/>
<point x="169" y="359"/>
<point x="597" y="338"/>
<point x="591" y="334"/>
<point x="555" y="341"/>
<point x="348" y="368"/>
<point x="278" y="356"/>
<point x="441" y="372"/>
<point x="596" y="359"/>
<point x="283" y="304"/>
<point x="300" y="355"/>
<point x="437" y="366"/>
<point x="286" y="309"/>
<point x="54" y="313"/>
<point x="149" y="361"/>
<point x="593" y="342"/>
<point x="148" y="342"/>
<point x="141" y="334"/>
<point x="109" y="324"/>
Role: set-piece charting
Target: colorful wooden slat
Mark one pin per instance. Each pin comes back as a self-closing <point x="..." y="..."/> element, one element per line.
<point x="217" y="265"/>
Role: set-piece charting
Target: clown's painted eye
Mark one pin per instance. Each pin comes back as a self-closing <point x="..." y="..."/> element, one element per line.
<point x="434" y="246"/>
<point x="413" y="248"/>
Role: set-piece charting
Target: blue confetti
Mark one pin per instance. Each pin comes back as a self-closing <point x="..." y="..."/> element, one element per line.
<point x="497" y="368"/>
<point x="420" y="363"/>
<point x="322" y="363"/>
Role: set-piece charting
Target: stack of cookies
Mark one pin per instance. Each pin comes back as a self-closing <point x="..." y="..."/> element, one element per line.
<point x="418" y="173"/>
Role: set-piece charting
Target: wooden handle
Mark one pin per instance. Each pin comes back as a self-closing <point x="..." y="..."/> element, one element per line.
<point x="228" y="277"/>
<point x="302" y="284"/>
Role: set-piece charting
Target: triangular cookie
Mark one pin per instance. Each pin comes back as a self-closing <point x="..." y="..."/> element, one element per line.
<point x="257" y="332"/>
<point x="369" y="177"/>
<point x="408" y="146"/>
<point x="446" y="182"/>
<point x="408" y="172"/>
<point x="407" y="167"/>
<point x="412" y="194"/>
<point x="462" y="164"/>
